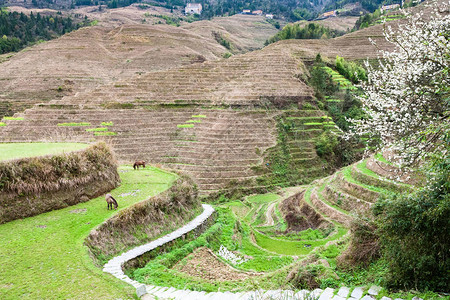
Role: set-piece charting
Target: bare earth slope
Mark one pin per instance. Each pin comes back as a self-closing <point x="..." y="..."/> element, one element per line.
<point x="91" y="56"/>
<point x="206" y="118"/>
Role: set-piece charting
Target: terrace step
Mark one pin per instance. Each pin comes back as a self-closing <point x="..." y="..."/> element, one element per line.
<point x="355" y="190"/>
<point x="329" y="211"/>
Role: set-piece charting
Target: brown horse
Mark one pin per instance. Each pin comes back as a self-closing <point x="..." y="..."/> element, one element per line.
<point x="110" y="200"/>
<point x="138" y="163"/>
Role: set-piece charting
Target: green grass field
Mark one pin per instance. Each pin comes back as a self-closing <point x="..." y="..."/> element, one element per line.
<point x="43" y="257"/>
<point x="20" y="150"/>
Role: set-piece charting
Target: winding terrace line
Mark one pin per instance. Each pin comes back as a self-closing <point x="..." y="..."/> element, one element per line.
<point x="148" y="292"/>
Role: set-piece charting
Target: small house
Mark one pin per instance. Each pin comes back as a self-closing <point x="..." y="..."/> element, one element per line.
<point x="257" y="12"/>
<point x="328" y="14"/>
<point x="389" y="7"/>
<point x="269" y="16"/>
<point x="247" y="12"/>
<point x="193" y="8"/>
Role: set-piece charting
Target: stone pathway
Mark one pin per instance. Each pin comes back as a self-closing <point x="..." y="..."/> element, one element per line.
<point x="114" y="266"/>
<point x="149" y="292"/>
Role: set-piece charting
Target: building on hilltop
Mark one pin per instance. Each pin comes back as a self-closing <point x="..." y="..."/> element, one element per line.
<point x="328" y="14"/>
<point x="257" y="12"/>
<point x="269" y="16"/>
<point x="193" y="8"/>
<point x="247" y="12"/>
<point x="389" y="7"/>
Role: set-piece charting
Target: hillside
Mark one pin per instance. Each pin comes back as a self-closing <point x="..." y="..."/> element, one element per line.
<point x="218" y="120"/>
<point x="98" y="55"/>
<point x="177" y="103"/>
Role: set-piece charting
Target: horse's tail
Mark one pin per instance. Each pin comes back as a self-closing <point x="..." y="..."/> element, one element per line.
<point x="115" y="202"/>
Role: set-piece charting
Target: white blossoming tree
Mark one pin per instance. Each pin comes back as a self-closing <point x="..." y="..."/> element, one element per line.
<point x="406" y="97"/>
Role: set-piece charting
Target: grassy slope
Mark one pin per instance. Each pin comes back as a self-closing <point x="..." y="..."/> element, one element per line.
<point x="52" y="263"/>
<point x="19" y="150"/>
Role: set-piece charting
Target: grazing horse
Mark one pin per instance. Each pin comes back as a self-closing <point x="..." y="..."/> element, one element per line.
<point x="138" y="163"/>
<point x="110" y="200"/>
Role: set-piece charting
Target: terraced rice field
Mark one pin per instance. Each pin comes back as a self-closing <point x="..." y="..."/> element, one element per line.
<point x="43" y="257"/>
<point x="342" y="82"/>
<point x="258" y="238"/>
<point x="252" y="231"/>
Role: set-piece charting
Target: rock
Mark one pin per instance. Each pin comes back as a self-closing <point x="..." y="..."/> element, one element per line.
<point x="357" y="293"/>
<point x="327" y="294"/>
<point x="141" y="291"/>
<point x="374" y="290"/>
<point x="343" y="292"/>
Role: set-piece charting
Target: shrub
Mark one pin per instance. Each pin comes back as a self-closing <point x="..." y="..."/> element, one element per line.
<point x="326" y="143"/>
<point x="364" y="245"/>
<point x="350" y="70"/>
<point x="414" y="235"/>
<point x="222" y="40"/>
<point x="321" y="80"/>
<point x="300" y="31"/>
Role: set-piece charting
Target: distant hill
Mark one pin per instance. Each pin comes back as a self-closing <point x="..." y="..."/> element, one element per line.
<point x="290" y="10"/>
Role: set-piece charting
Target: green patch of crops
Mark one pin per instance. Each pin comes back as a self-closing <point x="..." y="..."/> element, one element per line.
<point x="2" y="124"/>
<point x="13" y="118"/>
<point x="105" y="133"/>
<point x="185" y="125"/>
<point x="312" y="123"/>
<point x="198" y="116"/>
<point x="107" y="123"/>
<point x="97" y="129"/>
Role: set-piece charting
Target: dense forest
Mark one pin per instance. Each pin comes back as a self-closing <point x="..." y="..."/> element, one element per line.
<point x="18" y="30"/>
<point x="302" y="31"/>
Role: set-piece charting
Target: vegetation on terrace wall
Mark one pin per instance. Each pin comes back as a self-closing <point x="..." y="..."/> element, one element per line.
<point x="343" y="106"/>
<point x="18" y="30"/>
<point x="301" y="31"/>
<point x="350" y="70"/>
<point x="377" y="17"/>
<point x="145" y="220"/>
<point x="222" y="40"/>
<point x="30" y="186"/>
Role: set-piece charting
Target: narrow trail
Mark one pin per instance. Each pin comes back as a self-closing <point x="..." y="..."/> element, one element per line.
<point x="269" y="214"/>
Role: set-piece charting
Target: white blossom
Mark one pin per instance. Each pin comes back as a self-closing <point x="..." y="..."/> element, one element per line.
<point x="406" y="97"/>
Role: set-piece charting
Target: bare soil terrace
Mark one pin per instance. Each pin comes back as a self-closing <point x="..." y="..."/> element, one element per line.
<point x="204" y="264"/>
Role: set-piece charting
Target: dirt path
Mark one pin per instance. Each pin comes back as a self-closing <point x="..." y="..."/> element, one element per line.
<point x="269" y="214"/>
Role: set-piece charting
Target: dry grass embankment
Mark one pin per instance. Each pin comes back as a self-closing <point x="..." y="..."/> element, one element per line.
<point x="31" y="186"/>
<point x="145" y="220"/>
